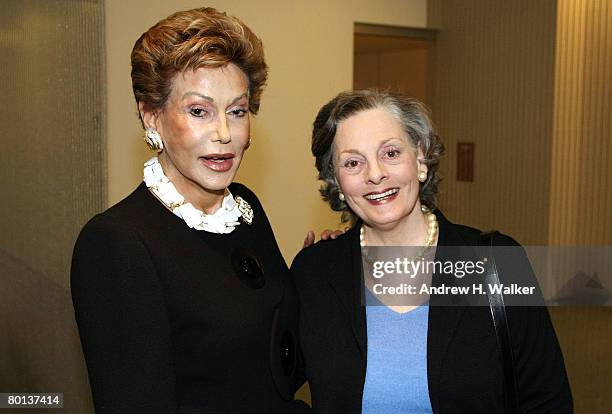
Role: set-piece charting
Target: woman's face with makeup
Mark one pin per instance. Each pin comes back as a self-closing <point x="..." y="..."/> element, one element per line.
<point x="205" y="129"/>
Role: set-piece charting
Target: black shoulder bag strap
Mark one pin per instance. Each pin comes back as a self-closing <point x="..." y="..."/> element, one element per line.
<point x="500" y="322"/>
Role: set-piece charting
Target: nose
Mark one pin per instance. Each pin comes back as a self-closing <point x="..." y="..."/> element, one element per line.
<point x="376" y="172"/>
<point x="223" y="132"/>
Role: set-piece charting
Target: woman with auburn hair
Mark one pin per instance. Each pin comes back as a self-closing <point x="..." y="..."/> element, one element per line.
<point x="367" y="351"/>
<point x="181" y="295"/>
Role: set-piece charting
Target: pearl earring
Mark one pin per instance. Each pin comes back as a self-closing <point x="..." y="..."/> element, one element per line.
<point x="153" y="140"/>
<point x="341" y="196"/>
<point x="422" y="176"/>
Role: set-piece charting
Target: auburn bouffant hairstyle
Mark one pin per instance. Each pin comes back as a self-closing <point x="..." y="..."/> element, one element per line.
<point x="193" y="39"/>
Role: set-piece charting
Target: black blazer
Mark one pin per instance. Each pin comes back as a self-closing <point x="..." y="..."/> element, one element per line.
<point x="463" y="359"/>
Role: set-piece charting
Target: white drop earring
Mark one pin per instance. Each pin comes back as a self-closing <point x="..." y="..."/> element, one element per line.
<point x="341" y="196"/>
<point x="422" y="176"/>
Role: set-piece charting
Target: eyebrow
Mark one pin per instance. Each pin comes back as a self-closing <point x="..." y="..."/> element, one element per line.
<point x="354" y="151"/>
<point x="210" y="99"/>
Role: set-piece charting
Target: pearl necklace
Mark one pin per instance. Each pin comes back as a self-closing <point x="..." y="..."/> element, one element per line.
<point x="432" y="230"/>
<point x="223" y="221"/>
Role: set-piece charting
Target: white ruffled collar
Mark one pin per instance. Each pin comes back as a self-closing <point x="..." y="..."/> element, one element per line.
<point x="224" y="220"/>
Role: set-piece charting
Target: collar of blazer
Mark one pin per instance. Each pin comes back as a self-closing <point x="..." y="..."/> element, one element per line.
<point x="443" y="320"/>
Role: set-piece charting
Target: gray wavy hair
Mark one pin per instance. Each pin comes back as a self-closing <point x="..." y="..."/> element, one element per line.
<point x="411" y="113"/>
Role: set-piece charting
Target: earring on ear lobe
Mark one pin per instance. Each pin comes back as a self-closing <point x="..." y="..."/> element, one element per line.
<point x="422" y="176"/>
<point x="153" y="140"/>
<point x="341" y="196"/>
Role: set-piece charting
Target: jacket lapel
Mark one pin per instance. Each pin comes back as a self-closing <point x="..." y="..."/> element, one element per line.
<point x="347" y="284"/>
<point x="444" y="317"/>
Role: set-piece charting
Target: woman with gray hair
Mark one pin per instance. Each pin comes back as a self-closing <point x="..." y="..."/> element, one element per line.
<point x="377" y="155"/>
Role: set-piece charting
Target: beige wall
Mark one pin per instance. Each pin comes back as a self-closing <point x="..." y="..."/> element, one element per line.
<point x="581" y="169"/>
<point x="309" y="50"/>
<point x="52" y="175"/>
<point x="494" y="87"/>
<point x="581" y="180"/>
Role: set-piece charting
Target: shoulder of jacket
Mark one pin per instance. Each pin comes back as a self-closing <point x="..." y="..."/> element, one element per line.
<point x="472" y="235"/>
<point x="324" y="251"/>
<point x="120" y="219"/>
<point x="105" y="227"/>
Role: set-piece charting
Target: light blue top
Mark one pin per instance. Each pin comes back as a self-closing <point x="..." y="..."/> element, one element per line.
<point x="396" y="375"/>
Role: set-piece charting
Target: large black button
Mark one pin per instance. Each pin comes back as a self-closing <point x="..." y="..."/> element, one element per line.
<point x="247" y="268"/>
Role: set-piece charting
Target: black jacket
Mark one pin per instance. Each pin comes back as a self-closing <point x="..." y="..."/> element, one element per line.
<point x="463" y="359"/>
<point x="171" y="322"/>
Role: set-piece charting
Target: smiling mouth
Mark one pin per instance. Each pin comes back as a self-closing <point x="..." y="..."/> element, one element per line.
<point x="382" y="196"/>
